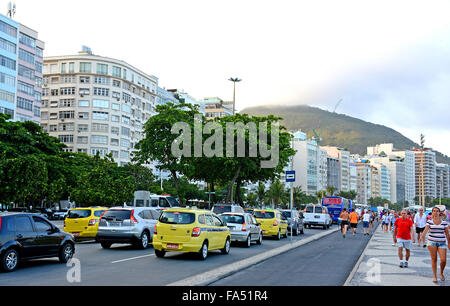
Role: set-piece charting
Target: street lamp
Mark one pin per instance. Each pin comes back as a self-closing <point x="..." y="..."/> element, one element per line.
<point x="234" y="80"/>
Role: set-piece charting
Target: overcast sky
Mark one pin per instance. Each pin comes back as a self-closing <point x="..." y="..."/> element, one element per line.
<point x="388" y="60"/>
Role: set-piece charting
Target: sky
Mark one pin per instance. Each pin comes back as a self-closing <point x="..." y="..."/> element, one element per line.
<point x="387" y="60"/>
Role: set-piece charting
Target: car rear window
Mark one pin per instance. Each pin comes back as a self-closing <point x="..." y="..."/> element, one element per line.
<point x="98" y="213"/>
<point x="318" y="210"/>
<point x="220" y="209"/>
<point x="287" y="214"/>
<point x="238" y="219"/>
<point x="264" y="214"/>
<point x="171" y="217"/>
<point x="117" y="214"/>
<point x="77" y="214"/>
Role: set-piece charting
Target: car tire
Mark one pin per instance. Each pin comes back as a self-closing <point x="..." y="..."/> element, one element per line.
<point x="106" y="245"/>
<point x="226" y="248"/>
<point x="296" y="231"/>
<point x="260" y="239"/>
<point x="66" y="252"/>
<point x="10" y="260"/>
<point x="248" y="242"/>
<point x="279" y="235"/>
<point x="203" y="253"/>
<point x="160" y="254"/>
<point x="144" y="241"/>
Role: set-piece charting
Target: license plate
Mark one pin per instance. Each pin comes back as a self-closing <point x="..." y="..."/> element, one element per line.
<point x="114" y="223"/>
<point x="76" y="234"/>
<point x="172" y="246"/>
<point x="317" y="217"/>
<point x="263" y="232"/>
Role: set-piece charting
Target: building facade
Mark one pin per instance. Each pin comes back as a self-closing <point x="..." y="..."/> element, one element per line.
<point x="425" y="174"/>
<point x="442" y="181"/>
<point x="216" y="108"/>
<point x="96" y="105"/>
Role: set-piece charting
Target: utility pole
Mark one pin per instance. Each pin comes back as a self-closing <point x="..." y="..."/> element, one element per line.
<point x="234" y="80"/>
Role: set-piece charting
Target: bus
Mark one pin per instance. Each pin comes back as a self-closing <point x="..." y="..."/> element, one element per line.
<point x="335" y="206"/>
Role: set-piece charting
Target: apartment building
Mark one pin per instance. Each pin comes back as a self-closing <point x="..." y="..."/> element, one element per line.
<point x="215" y="107"/>
<point x="425" y="174"/>
<point x="306" y="163"/>
<point x="96" y="105"/>
<point x="334" y="173"/>
<point x="344" y="158"/>
<point x="442" y="181"/>
<point x="364" y="181"/>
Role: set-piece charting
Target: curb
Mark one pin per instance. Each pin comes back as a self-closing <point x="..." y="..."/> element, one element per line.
<point x="214" y="275"/>
<point x="358" y="263"/>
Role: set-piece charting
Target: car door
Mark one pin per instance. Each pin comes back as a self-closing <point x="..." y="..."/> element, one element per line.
<point x="220" y="232"/>
<point x="48" y="239"/>
<point x="209" y="230"/>
<point x="252" y="226"/>
<point x="257" y="227"/>
<point x="26" y="236"/>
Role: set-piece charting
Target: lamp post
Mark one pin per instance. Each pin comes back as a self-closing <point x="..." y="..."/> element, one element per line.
<point x="234" y="80"/>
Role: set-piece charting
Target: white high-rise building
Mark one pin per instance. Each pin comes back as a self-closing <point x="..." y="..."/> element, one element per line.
<point x="344" y="161"/>
<point x="95" y="104"/>
<point x="306" y="163"/>
<point x="442" y="181"/>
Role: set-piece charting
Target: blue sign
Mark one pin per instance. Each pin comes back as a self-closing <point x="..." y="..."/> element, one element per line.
<point x="290" y="176"/>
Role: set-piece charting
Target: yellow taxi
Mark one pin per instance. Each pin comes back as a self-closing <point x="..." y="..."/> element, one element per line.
<point x="273" y="223"/>
<point x="190" y="230"/>
<point x="83" y="222"/>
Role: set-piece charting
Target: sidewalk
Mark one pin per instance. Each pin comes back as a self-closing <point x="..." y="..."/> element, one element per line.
<point x="379" y="265"/>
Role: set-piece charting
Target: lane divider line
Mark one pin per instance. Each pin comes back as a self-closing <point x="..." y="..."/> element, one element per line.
<point x="127" y="259"/>
<point x="214" y="275"/>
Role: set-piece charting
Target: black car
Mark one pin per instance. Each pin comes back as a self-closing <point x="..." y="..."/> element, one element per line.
<point x="26" y="236"/>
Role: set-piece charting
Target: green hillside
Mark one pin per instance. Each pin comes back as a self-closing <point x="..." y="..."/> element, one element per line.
<point x="337" y="129"/>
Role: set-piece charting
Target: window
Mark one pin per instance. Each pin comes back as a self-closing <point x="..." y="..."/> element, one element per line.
<point x="83" y="115"/>
<point x="26" y="56"/>
<point x="114" y="142"/>
<point x="26" y="72"/>
<point x="63" y="67"/>
<point x="7" y="96"/>
<point x="23" y="225"/>
<point x="68" y="79"/>
<point x="38" y="81"/>
<point x="83" y="103"/>
<point x="100" y="116"/>
<point x="66" y="127"/>
<point x="102" y="68"/>
<point x="24" y="104"/>
<point x="100" y="151"/>
<point x="82" y="139"/>
<point x="116" y="71"/>
<point x="66" y="138"/>
<point x="115" y="118"/>
<point x="116" y="83"/>
<point x="116" y="95"/>
<point x="126" y="120"/>
<point x="101" y="91"/>
<point x="8" y="29"/>
<point x="98" y="127"/>
<point x="125" y="131"/>
<point x="85" y="67"/>
<point x="83" y="127"/>
<point x="101" y="80"/>
<point x="67" y="115"/>
<point x="126" y="97"/>
<point x="85" y="79"/>
<point x="27" y="40"/>
<point x="124" y="154"/>
<point x="71" y="67"/>
<point x="37" y="96"/>
<point x="44" y="115"/>
<point x="67" y="91"/>
<point x="95" y="139"/>
<point x="7" y="62"/>
<point x="100" y="103"/>
<point x="53" y="128"/>
<point x="54" y="92"/>
<point x="38" y="66"/>
<point x="125" y="143"/>
<point x="115" y="106"/>
<point x="84" y="92"/>
<point x="25" y="88"/>
<point x="67" y="102"/>
<point x="115" y="130"/>
<point x="8" y="46"/>
<point x="126" y="108"/>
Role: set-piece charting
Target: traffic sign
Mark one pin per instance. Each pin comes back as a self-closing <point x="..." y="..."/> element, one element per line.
<point x="290" y="176"/>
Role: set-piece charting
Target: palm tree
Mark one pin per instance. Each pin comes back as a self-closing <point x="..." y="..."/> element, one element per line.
<point x="261" y="193"/>
<point x="276" y="192"/>
<point x="331" y="190"/>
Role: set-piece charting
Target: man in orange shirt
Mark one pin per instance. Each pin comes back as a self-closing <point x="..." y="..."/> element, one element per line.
<point x="354" y="221"/>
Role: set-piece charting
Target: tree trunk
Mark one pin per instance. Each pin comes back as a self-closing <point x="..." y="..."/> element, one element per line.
<point x="175" y="178"/>
<point x="238" y="192"/>
<point x="231" y="185"/>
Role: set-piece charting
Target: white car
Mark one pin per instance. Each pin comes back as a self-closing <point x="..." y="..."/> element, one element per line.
<point x="317" y="215"/>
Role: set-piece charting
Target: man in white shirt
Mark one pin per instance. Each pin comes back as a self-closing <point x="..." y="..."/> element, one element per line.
<point x="366" y="222"/>
<point x="420" y="221"/>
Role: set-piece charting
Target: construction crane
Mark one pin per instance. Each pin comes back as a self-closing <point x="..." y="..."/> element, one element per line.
<point x="316" y="136"/>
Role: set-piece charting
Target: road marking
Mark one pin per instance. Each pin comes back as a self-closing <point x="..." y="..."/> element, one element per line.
<point x="214" y="275"/>
<point x="127" y="259"/>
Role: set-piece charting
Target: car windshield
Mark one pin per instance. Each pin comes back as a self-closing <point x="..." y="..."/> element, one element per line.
<point x="76" y="214"/>
<point x="264" y="214"/>
<point x="171" y="217"/>
<point x="233" y="219"/>
<point x="220" y="209"/>
<point x="118" y="215"/>
<point x="287" y="214"/>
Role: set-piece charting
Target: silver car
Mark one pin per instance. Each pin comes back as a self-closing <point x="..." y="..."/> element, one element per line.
<point x="127" y="225"/>
<point x="243" y="227"/>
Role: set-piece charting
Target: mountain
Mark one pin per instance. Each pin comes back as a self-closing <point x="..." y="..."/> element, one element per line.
<point x="338" y="130"/>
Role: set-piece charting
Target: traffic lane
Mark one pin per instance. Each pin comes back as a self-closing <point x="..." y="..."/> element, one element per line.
<point x="324" y="262"/>
<point x="124" y="265"/>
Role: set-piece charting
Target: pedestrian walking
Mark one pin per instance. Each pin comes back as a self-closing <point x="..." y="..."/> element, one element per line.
<point x="438" y="241"/>
<point x="345" y="217"/>
<point x="366" y="222"/>
<point x="354" y="221"/>
<point x="403" y="232"/>
<point x="372" y="220"/>
<point x="420" y="221"/>
<point x="385" y="221"/>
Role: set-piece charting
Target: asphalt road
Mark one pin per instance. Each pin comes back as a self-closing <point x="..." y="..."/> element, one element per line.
<point x="124" y="265"/>
<point x="324" y="262"/>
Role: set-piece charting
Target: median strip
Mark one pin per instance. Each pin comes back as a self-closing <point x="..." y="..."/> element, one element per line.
<point x="212" y="276"/>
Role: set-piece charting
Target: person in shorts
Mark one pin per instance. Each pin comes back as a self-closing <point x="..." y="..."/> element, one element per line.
<point x="344" y="216"/>
<point x="366" y="222"/>
<point x="420" y="221"/>
<point x="403" y="232"/>
<point x="354" y="221"/>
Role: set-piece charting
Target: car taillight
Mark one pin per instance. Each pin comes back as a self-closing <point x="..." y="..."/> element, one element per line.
<point x="244" y="227"/>
<point x="155" y="232"/>
<point x="92" y="222"/>
<point x="133" y="219"/>
<point x="196" y="232"/>
<point x="275" y="223"/>
<point x="0" y="223"/>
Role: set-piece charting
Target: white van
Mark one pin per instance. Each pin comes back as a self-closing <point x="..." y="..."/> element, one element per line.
<point x="144" y="198"/>
<point x="317" y="215"/>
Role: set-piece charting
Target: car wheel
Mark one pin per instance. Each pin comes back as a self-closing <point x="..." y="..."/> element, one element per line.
<point x="66" y="252"/>
<point x="160" y="254"/>
<point x="10" y="260"/>
<point x="226" y="248"/>
<point x="260" y="239"/>
<point x="204" y="251"/>
<point x="248" y="243"/>
<point x="296" y="231"/>
<point x="105" y="245"/>
<point x="279" y="235"/>
<point x="144" y="240"/>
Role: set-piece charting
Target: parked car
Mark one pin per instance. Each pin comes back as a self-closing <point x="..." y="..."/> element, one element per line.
<point x="83" y="222"/>
<point x="295" y="221"/>
<point x="26" y="236"/>
<point x="60" y="214"/>
<point x="317" y="215"/>
<point x="190" y="230"/>
<point x="243" y="228"/>
<point x="273" y="223"/>
<point x="127" y="225"/>
<point x="223" y="208"/>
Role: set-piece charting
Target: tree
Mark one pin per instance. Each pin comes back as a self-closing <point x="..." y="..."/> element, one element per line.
<point x="143" y="178"/>
<point x="276" y="193"/>
<point x="261" y="193"/>
<point x="331" y="190"/>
